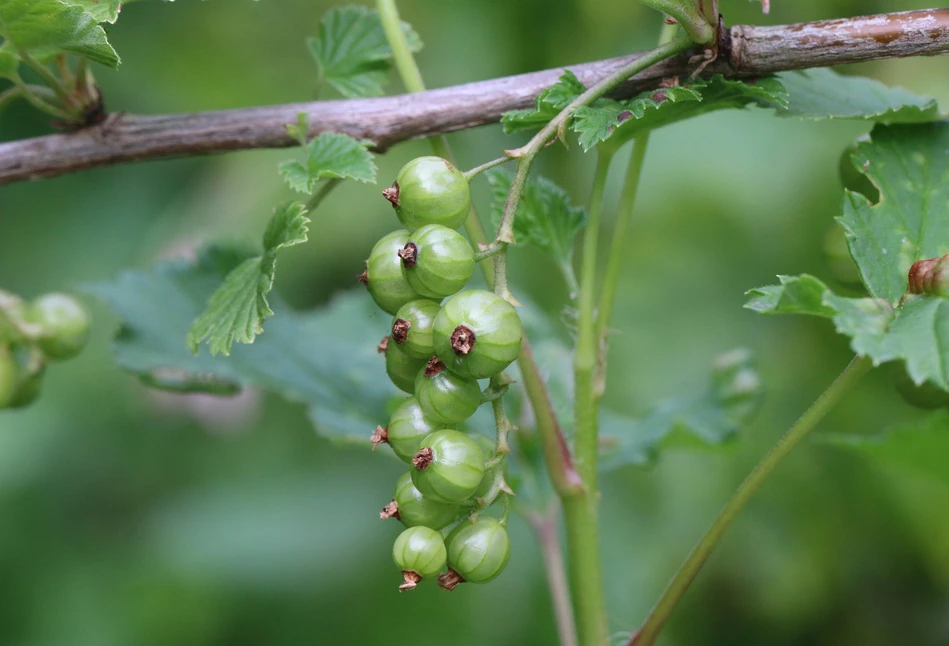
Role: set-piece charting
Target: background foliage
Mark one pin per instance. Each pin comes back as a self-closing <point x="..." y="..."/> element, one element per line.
<point x="135" y="518"/>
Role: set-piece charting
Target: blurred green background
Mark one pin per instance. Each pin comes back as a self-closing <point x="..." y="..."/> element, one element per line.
<point x="131" y="518"/>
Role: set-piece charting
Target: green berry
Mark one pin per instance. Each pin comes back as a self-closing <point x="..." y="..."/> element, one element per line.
<point x="436" y="261"/>
<point x="383" y="276"/>
<point x="64" y="324"/>
<point x="401" y="368"/>
<point x="28" y="389"/>
<point x="927" y="395"/>
<point x="9" y="376"/>
<point x="488" y="447"/>
<point x="477" y="334"/>
<point x="420" y="553"/>
<point x="449" y="467"/>
<point x="415" y="510"/>
<point x="412" y="328"/>
<point x="430" y="190"/>
<point x="445" y="397"/>
<point x="477" y="552"/>
<point x="407" y="427"/>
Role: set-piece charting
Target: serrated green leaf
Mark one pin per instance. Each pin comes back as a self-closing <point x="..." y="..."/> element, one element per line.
<point x="709" y="418"/>
<point x="237" y="309"/>
<point x="824" y="94"/>
<point x="795" y="295"/>
<point x="331" y="155"/>
<point x="545" y="218"/>
<point x="910" y="166"/>
<point x="919" y="448"/>
<point x="546" y="106"/>
<point x="325" y="358"/>
<point x="101" y="10"/>
<point x="352" y="53"/>
<point x="33" y="24"/>
<point x="301" y="129"/>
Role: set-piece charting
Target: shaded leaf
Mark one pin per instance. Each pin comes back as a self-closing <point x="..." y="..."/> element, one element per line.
<point x="795" y="295"/>
<point x="546" y="106"/>
<point x="101" y="10"/>
<point x="33" y="24"/>
<point x="330" y="155"/>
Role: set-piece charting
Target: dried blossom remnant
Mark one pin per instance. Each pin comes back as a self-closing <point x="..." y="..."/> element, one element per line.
<point x="930" y="276"/>
<point x="409" y="255"/>
<point x="383" y="345"/>
<point x="423" y="458"/>
<point x="410" y="580"/>
<point x="363" y="278"/>
<point x="462" y="340"/>
<point x="390" y="511"/>
<point x="400" y="330"/>
<point x="450" y="580"/>
<point x="433" y="367"/>
<point x="392" y="194"/>
<point x="379" y="436"/>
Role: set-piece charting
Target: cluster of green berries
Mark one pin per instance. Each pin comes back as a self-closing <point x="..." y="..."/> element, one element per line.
<point x="443" y="341"/>
<point x="54" y="327"/>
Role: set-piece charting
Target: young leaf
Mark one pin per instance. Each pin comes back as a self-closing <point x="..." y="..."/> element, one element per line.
<point x="237" y="309"/>
<point x="352" y="53"/>
<point x="919" y="448"/>
<point x="546" y="106"/>
<point x="330" y="155"/>
<point x="823" y="94"/>
<point x="101" y="10"/>
<point x="545" y="218"/>
<point x="910" y="166"/>
<point x="795" y="295"/>
<point x="325" y="358"/>
<point x="32" y="24"/>
<point x="709" y="418"/>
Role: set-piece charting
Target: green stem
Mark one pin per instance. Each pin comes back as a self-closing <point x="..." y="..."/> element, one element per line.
<point x="37" y="102"/>
<point x="617" y="254"/>
<point x="674" y="592"/>
<point x="320" y="195"/>
<point x="50" y="79"/>
<point x="477" y="170"/>
<point x="545" y="527"/>
<point x="9" y="95"/>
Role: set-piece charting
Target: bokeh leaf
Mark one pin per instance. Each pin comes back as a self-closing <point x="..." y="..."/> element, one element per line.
<point x="325" y="358"/>
<point x="33" y="24"/>
<point x="330" y="155"/>
<point x="795" y="295"/>
<point x="237" y="309"/>
<point x="352" y="53"/>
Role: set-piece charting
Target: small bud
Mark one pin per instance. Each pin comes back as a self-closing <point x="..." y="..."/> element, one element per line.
<point x="379" y="436"/>
<point x="930" y="277"/>
<point x="462" y="340"/>
<point x="409" y="255"/>
<point x="450" y="580"/>
<point x="392" y="194"/>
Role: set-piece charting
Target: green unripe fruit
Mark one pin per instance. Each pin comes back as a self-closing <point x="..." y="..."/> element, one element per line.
<point x="477" y="334"/>
<point x="401" y="368"/>
<point x="437" y="262"/>
<point x="407" y="427"/>
<point x="28" y="389"/>
<point x="9" y="376"/>
<point x="445" y="397"/>
<point x="927" y="395"/>
<point x="64" y="324"/>
<point x="430" y="190"/>
<point x="414" y="510"/>
<point x="477" y="552"/>
<point x="383" y="276"/>
<point x="449" y="467"/>
<point x="420" y="553"/>
<point x="488" y="447"/>
<point x="412" y="328"/>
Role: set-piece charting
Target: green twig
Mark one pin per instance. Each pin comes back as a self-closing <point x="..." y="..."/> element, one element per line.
<point x="54" y="83"/>
<point x="477" y="170"/>
<point x="674" y="592"/>
<point x="321" y="194"/>
<point x="28" y="92"/>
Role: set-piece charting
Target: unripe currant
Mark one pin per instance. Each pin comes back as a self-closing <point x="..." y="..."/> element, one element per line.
<point x="477" y="553"/>
<point x="407" y="427"/>
<point x="401" y="368"/>
<point x="445" y="397"/>
<point x="412" y="328"/>
<point x="477" y="334"/>
<point x="9" y="376"/>
<point x="488" y="447"/>
<point x="930" y="277"/>
<point x="420" y="553"/>
<point x="383" y="276"/>
<point x="28" y="389"/>
<point x="449" y="467"/>
<point x="437" y="261"/>
<point x="430" y="190"/>
<point x="415" y="510"/>
<point x="64" y="324"/>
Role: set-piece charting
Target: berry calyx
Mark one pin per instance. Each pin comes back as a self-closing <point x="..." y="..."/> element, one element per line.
<point x="412" y="328"/>
<point x="477" y="334"/>
<point x="420" y="553"/>
<point x="64" y="325"/>
<point x="445" y="397"/>
<point x="414" y="509"/>
<point x="437" y="261"/>
<point x="401" y="368"/>
<point x="430" y="190"/>
<point x="383" y="276"/>
<point x="449" y="468"/>
<point x="477" y="552"/>
<point x="407" y="427"/>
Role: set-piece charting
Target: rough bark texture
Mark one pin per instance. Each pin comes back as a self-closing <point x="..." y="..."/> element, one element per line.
<point x="744" y="51"/>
